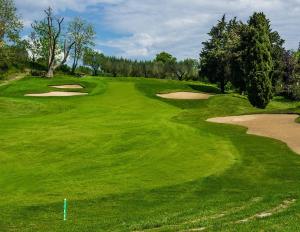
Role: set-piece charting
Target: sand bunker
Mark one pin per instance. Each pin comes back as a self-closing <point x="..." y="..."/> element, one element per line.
<point x="185" y="95"/>
<point x="278" y="126"/>
<point x="67" y="86"/>
<point x="55" y="94"/>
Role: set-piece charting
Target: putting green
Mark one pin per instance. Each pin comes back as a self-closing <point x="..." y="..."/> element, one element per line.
<point x="128" y="160"/>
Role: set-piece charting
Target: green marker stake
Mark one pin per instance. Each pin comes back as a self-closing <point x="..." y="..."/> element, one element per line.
<point x="65" y="209"/>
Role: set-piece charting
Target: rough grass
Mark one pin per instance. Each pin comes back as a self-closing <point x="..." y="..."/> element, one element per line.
<point x="127" y="160"/>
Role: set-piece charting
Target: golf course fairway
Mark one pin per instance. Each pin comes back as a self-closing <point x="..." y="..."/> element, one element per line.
<point x="127" y="160"/>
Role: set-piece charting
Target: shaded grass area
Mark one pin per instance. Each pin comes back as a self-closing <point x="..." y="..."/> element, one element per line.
<point x="127" y="160"/>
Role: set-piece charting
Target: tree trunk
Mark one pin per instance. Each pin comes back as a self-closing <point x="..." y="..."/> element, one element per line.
<point x="95" y="72"/>
<point x="222" y="85"/>
<point x="75" y="60"/>
<point x="74" y="66"/>
<point x="50" y="72"/>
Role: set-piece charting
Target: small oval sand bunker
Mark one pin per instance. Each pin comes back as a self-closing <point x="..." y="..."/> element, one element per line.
<point x="184" y="95"/>
<point x="55" y="94"/>
<point x="278" y="126"/>
<point x="67" y="86"/>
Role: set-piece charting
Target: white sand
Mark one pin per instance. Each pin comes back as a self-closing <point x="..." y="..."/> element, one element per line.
<point x="67" y="86"/>
<point x="278" y="126"/>
<point x="55" y="94"/>
<point x="185" y="95"/>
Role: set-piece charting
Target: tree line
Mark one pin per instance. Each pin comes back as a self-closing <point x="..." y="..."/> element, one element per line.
<point x="163" y="66"/>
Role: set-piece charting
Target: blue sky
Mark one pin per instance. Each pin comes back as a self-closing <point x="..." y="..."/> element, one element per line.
<point x="139" y="29"/>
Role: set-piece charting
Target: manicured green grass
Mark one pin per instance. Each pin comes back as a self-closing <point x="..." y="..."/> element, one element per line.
<point x="127" y="160"/>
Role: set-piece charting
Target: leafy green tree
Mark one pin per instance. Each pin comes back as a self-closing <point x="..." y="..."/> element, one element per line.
<point x="93" y="59"/>
<point x="84" y="70"/>
<point x="10" y="23"/>
<point x="13" y="58"/>
<point x="13" y="55"/>
<point x="187" y="69"/>
<point x="83" y="34"/>
<point x="164" y="57"/>
<point x="259" y="61"/>
<point x="168" y="64"/>
<point x="34" y="47"/>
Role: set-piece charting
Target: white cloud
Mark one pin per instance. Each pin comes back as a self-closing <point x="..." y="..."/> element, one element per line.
<point x="176" y="26"/>
<point x="33" y="9"/>
<point x="180" y="26"/>
<point x="60" y="5"/>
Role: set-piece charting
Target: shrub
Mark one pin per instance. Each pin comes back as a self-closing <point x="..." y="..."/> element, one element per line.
<point x="293" y="92"/>
<point x="38" y="73"/>
<point x="259" y="90"/>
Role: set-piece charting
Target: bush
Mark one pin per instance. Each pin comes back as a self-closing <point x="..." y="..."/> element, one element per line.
<point x="38" y="73"/>
<point x="84" y="70"/>
<point x="259" y="89"/>
<point x="229" y="87"/>
<point x="64" y="69"/>
<point x="293" y="92"/>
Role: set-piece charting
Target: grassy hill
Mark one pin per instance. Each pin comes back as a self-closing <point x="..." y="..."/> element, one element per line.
<point x="127" y="160"/>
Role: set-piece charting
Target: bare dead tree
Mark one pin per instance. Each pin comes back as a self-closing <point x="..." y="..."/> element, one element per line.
<point x="50" y="32"/>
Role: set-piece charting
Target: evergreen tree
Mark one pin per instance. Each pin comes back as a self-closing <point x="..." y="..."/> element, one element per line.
<point x="219" y="56"/>
<point x="213" y="60"/>
<point x="259" y="64"/>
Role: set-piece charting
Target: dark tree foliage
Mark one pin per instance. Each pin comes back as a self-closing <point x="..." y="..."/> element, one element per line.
<point x="225" y="58"/>
<point x="238" y="70"/>
<point x="13" y="58"/>
<point x="291" y="78"/>
<point x="259" y="63"/>
<point x="220" y="59"/>
<point x="213" y="62"/>
<point x="277" y="53"/>
<point x="290" y="65"/>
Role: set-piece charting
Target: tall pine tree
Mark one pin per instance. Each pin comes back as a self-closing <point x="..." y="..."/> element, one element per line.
<point x="213" y="58"/>
<point x="259" y="64"/>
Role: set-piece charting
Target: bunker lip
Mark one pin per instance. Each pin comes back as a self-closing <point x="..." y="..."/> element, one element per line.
<point x="184" y="95"/>
<point x="71" y="86"/>
<point x="282" y="127"/>
<point x="55" y="94"/>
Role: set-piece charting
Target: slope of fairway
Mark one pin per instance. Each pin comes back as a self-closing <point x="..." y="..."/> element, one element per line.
<point x="128" y="160"/>
<point x="116" y="142"/>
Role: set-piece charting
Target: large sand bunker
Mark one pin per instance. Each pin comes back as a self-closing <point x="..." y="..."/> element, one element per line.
<point x="278" y="126"/>
<point x="185" y="95"/>
<point x="67" y="86"/>
<point x="55" y="94"/>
